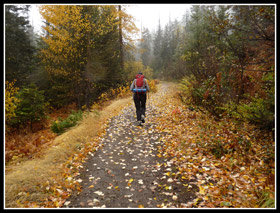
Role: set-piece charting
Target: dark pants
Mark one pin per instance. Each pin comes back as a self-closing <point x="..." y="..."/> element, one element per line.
<point x="140" y="104"/>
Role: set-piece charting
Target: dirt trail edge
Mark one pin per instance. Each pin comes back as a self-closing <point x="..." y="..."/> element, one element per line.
<point x="126" y="171"/>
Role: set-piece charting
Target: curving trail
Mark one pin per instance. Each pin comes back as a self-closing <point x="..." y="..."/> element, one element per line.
<point x="127" y="172"/>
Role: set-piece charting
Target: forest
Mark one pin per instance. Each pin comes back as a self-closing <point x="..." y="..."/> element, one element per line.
<point x="221" y="57"/>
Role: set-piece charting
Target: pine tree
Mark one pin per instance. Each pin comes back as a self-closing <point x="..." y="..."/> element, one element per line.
<point x="18" y="48"/>
<point x="157" y="45"/>
<point x="146" y="48"/>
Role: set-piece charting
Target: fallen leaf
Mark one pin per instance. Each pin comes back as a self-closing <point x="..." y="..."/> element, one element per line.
<point x="174" y="197"/>
<point x="99" y="193"/>
<point x="67" y="203"/>
<point x="201" y="190"/>
<point x="170" y="180"/>
<point x="79" y="180"/>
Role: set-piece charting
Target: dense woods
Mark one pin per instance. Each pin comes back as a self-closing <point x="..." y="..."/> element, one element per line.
<point x="222" y="57"/>
<point x="78" y="57"/>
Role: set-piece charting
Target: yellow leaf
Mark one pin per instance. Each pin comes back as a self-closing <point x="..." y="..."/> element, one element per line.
<point x="159" y="155"/>
<point x="140" y="206"/>
<point x="262" y="179"/>
<point x="91" y="186"/>
<point x="201" y="190"/>
<point x="168" y="187"/>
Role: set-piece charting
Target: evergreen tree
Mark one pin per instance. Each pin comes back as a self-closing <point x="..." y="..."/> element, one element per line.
<point x="18" y="48"/>
<point x="146" y="48"/>
<point x="157" y="46"/>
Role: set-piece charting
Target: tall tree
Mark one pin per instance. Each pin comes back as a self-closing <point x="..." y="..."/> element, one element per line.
<point x="18" y="48"/>
<point x="157" y="45"/>
<point x="146" y="47"/>
<point x="244" y="30"/>
<point x="121" y="37"/>
<point x="65" y="55"/>
<point x="84" y="53"/>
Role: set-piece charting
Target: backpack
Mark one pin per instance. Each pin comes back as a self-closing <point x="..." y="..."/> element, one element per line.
<point x="139" y="81"/>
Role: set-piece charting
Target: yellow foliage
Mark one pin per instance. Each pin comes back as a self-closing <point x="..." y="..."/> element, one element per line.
<point x="123" y="91"/>
<point x="10" y="100"/>
<point x="112" y="93"/>
<point x="67" y="25"/>
<point x="148" y="72"/>
<point x="133" y="67"/>
<point x="71" y="30"/>
<point x="152" y="85"/>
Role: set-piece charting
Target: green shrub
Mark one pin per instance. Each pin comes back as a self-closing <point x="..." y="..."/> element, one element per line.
<point x="186" y="87"/>
<point x="205" y="94"/>
<point x="31" y="106"/>
<point x="259" y="111"/>
<point x="60" y="126"/>
<point x="265" y="200"/>
<point x="211" y="94"/>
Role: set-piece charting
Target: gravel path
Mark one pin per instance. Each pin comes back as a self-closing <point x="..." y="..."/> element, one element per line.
<point x="126" y="171"/>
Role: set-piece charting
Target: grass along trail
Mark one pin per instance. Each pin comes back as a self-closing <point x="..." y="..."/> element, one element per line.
<point x="46" y="181"/>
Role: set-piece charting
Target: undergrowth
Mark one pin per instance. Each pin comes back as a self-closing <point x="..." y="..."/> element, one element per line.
<point x="61" y="126"/>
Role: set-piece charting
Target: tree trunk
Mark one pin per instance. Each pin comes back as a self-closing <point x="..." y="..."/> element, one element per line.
<point x="121" y="39"/>
<point x="78" y="97"/>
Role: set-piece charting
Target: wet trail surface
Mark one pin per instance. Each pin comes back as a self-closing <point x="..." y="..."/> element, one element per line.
<point x="127" y="172"/>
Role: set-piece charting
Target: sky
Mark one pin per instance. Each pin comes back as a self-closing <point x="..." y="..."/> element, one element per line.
<point x="148" y="14"/>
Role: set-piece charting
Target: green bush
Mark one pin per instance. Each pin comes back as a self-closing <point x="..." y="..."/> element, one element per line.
<point x="60" y="126"/>
<point x="31" y="106"/>
<point x="205" y="94"/>
<point x="259" y="111"/>
<point x="265" y="200"/>
<point x="211" y="95"/>
<point x="186" y="87"/>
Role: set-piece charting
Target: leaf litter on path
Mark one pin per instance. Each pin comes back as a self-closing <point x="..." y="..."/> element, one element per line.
<point x="171" y="161"/>
<point x="127" y="170"/>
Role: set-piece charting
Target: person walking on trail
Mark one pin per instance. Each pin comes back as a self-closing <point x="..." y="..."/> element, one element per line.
<point x="140" y="87"/>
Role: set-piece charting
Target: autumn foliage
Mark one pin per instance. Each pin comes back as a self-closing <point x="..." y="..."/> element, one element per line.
<point x="82" y="54"/>
<point x="217" y="120"/>
<point x="233" y="163"/>
<point x="10" y="100"/>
